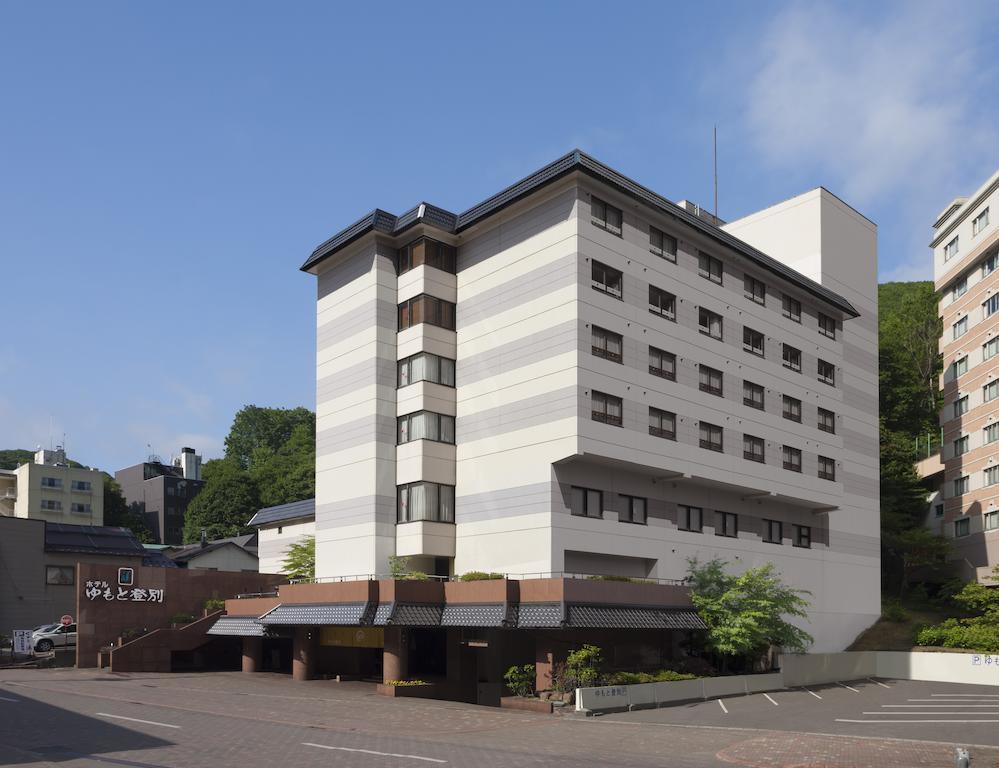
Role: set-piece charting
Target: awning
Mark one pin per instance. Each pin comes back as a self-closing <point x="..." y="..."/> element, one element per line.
<point x="237" y="626"/>
<point x="409" y="614"/>
<point x="539" y="615"/>
<point x="323" y="614"/>
<point x="620" y="617"/>
<point x="482" y="615"/>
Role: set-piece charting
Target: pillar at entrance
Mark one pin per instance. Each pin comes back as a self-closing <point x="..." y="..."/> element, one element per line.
<point x="395" y="659"/>
<point x="304" y="651"/>
<point x="253" y="654"/>
<point x="544" y="661"/>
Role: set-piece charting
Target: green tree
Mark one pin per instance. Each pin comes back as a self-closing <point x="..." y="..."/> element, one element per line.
<point x="254" y="427"/>
<point x="745" y="614"/>
<point x="226" y="503"/>
<point x="117" y="512"/>
<point x="289" y="472"/>
<point x="300" y="560"/>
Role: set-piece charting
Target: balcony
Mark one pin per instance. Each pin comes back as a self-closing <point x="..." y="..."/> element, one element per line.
<point x="8" y="493"/>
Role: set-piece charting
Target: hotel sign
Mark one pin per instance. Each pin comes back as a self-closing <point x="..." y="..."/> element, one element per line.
<point x="100" y="590"/>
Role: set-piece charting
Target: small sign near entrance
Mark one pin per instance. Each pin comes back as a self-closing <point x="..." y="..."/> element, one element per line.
<point x="477" y="643"/>
<point x="22" y="641"/>
<point x="126" y="577"/>
<point x="66" y="620"/>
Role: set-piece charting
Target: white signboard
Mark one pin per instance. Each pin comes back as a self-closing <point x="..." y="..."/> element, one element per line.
<point x="22" y="641"/>
<point x="100" y="590"/>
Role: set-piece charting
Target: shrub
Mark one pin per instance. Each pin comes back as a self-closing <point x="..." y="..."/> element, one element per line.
<point x="181" y="618"/>
<point x="214" y="604"/>
<point x="977" y="634"/>
<point x="559" y="677"/>
<point x="582" y="666"/>
<point x="520" y="680"/>
<point x="480" y="576"/>
<point x="416" y="576"/>
<point x="660" y="676"/>
<point x="892" y="610"/>
<point x="405" y="683"/>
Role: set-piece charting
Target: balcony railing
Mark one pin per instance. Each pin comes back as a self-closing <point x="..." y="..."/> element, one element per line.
<point x="606" y="354"/>
<point x="511" y="576"/>
<point x="607" y="418"/>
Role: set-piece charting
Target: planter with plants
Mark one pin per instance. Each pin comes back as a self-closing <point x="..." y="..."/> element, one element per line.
<point x="520" y="682"/>
<point x="405" y="688"/>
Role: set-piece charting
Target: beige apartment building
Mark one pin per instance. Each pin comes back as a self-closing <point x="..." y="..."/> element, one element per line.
<point x="49" y="489"/>
<point x="965" y="260"/>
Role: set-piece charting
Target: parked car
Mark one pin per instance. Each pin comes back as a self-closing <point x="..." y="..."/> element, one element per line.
<point x="54" y="636"/>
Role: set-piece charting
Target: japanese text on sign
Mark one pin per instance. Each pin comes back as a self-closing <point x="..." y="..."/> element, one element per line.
<point x="97" y="590"/>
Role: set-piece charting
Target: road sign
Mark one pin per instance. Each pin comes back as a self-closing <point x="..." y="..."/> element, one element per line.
<point x="22" y="641"/>
<point x="66" y="620"/>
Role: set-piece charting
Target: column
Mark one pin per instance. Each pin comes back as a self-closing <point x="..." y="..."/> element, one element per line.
<point x="253" y="654"/>
<point x="305" y="645"/>
<point x="395" y="661"/>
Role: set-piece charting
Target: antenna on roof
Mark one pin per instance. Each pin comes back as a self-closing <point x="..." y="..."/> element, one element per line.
<point x="716" y="169"/>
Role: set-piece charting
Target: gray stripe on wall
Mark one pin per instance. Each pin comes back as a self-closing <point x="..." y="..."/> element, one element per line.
<point x="502" y="503"/>
<point x="338" y="514"/>
<point x="546" y="279"/>
<point x="539" y="346"/>
<point x="375" y="428"/>
<point x="379" y="371"/>
<point x="518" y="414"/>
<point x="377" y="312"/>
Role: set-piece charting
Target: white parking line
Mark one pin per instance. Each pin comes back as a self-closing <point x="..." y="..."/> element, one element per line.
<point x="877" y="683"/>
<point x="961" y="701"/>
<point x="135" y="720"/>
<point x="372" y="752"/>
<point x="931" y="712"/>
<point x="847" y="687"/>
<point x="882" y="722"/>
<point x="722" y="705"/>
<point x="811" y="692"/>
<point x="975" y="695"/>
<point x="771" y="700"/>
<point x="4" y="698"/>
<point x="943" y="706"/>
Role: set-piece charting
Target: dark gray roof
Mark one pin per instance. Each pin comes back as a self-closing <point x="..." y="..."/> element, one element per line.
<point x="408" y="614"/>
<point x="325" y="614"/>
<point x="539" y="615"/>
<point x="295" y="510"/>
<point x="237" y="626"/>
<point x="492" y="615"/>
<point x="620" y="617"/>
<point x="246" y="542"/>
<point x="92" y="540"/>
<point x="382" y="221"/>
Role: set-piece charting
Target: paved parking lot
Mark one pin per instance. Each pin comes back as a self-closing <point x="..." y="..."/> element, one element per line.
<point x="75" y="718"/>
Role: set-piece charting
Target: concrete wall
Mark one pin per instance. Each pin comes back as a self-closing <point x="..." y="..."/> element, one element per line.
<point x="273" y="542"/>
<point x="30" y="494"/>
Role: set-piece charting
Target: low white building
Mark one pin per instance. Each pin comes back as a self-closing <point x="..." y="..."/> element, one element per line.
<point x="278" y="528"/>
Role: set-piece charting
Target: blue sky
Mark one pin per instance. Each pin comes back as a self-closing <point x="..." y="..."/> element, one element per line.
<point x="166" y="168"/>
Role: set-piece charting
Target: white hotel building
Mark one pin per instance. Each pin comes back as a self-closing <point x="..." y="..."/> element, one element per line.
<point x="578" y="376"/>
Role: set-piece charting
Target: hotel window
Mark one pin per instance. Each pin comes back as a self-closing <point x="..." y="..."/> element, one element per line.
<point x="711" y="381"/>
<point x="991" y="475"/>
<point x="792" y="458"/>
<point x="429" y="252"/>
<point x="50" y="505"/>
<point x="432" y="502"/>
<point x="960" y="288"/>
<point x="950" y="250"/>
<point x="980" y="222"/>
<point x="961" y="446"/>
<point x="51" y="482"/>
<point x="962" y="527"/>
<point x="662" y="245"/>
<point x="424" y="366"/>
<point x="960" y="327"/>
<point x="991" y="433"/>
<point x="754" y="290"/>
<point x="961" y="485"/>
<point x="991" y="305"/>
<point x="803" y="536"/>
<point x="60" y="575"/>
<point x="990" y="264"/>
<point x="990" y="349"/>
<point x="827" y="373"/>
<point x="711" y="437"/>
<point x="752" y="341"/>
<point x="605" y="216"/>
<point x="171" y="491"/>
<point x="753" y="448"/>
<point x="709" y="267"/>
<point x="827" y="421"/>
<point x="690" y="519"/>
<point x="662" y="363"/>
<point x="791" y="357"/>
<point x="606" y="279"/>
<point x="752" y="395"/>
<point x="961" y="406"/>
<point x="426" y="425"/>
<point x="587" y="503"/>
<point x="827" y="326"/>
<point x="709" y="323"/>
<point x="791" y="308"/>
<point x="81" y="485"/>
<point x="662" y="423"/>
<point x="792" y="408"/>
<point x="991" y="521"/>
<point x="426" y="309"/>
<point x="606" y="408"/>
<point x="961" y="366"/>
<point x="990" y="391"/>
<point x="827" y="468"/>
<point x="938" y="510"/>
<point x="726" y="524"/>
<point x="773" y="532"/>
<point x="662" y="303"/>
<point x="607" y="344"/>
<point x="634" y="510"/>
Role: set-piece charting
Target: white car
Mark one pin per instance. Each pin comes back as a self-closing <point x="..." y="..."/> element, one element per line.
<point x="46" y="638"/>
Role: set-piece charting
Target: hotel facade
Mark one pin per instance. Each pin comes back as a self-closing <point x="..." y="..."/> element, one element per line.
<point x="965" y="259"/>
<point x="574" y="384"/>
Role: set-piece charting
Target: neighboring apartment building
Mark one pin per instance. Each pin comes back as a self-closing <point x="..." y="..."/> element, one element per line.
<point x="48" y="488"/>
<point x="278" y="528"/>
<point x="966" y="275"/>
<point x="161" y="492"/>
<point x="579" y="376"/>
